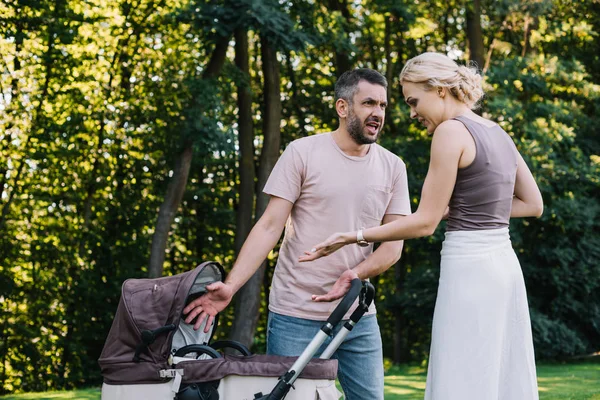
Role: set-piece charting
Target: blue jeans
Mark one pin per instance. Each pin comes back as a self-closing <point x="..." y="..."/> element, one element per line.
<point x="360" y="356"/>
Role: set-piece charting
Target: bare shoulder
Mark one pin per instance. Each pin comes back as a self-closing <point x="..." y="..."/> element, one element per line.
<point x="450" y="126"/>
<point x="452" y="133"/>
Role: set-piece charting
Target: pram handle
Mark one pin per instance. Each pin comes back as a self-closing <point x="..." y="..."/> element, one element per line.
<point x="365" y="299"/>
<point x="148" y="337"/>
<point x="342" y="308"/>
<point x="366" y="291"/>
<point x="367" y="295"/>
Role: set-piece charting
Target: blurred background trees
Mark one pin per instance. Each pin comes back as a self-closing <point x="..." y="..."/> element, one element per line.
<point x="136" y="135"/>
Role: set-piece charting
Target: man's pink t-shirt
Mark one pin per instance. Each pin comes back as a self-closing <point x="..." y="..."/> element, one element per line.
<point x="332" y="192"/>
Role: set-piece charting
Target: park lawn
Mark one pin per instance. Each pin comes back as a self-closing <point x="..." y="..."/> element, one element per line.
<point x="569" y="381"/>
<point x="83" y="394"/>
<point x="556" y="381"/>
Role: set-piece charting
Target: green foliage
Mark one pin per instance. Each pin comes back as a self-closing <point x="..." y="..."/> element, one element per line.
<point x="97" y="100"/>
<point x="542" y="101"/>
<point x="554" y="338"/>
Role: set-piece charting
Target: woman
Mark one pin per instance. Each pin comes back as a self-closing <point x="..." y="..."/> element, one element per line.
<point x="481" y="346"/>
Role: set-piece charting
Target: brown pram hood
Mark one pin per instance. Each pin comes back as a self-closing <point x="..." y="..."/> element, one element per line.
<point x="148" y="305"/>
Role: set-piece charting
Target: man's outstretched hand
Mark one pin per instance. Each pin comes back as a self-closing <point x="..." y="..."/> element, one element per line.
<point x="217" y="297"/>
<point x="340" y="287"/>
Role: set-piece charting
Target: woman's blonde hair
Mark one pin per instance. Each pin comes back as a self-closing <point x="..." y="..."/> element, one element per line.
<point x="436" y="70"/>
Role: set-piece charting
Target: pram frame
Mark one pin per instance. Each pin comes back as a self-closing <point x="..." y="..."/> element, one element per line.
<point x="366" y="291"/>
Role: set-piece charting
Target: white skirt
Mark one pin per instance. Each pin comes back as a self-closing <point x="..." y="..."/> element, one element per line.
<point x="481" y="347"/>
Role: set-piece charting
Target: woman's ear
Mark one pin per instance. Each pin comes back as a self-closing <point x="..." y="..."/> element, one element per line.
<point x="441" y="92"/>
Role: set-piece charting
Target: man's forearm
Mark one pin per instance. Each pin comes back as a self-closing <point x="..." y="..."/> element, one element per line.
<point x="261" y="240"/>
<point x="386" y="255"/>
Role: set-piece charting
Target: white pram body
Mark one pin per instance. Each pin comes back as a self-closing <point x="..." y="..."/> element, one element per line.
<point x="231" y="387"/>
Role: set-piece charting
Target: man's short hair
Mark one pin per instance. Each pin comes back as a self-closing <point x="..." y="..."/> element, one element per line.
<point x="347" y="84"/>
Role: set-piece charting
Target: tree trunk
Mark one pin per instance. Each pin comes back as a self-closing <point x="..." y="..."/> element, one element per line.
<point x="34" y="126"/>
<point x="446" y="23"/>
<point x="249" y="297"/>
<point x="167" y="211"/>
<point x="401" y="347"/>
<point x="177" y="185"/>
<point x="342" y="58"/>
<point x="475" y="33"/>
<point x="14" y="89"/>
<point x="74" y="304"/>
<point x="531" y="23"/>
<point x="5" y="342"/>
<point x="296" y="100"/>
<point x="389" y="70"/>
<point x="246" y="143"/>
<point x="6" y="207"/>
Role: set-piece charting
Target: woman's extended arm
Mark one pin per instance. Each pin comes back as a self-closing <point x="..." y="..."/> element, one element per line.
<point x="447" y="147"/>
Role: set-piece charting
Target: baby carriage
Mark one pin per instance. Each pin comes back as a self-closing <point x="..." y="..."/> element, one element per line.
<point x="152" y="354"/>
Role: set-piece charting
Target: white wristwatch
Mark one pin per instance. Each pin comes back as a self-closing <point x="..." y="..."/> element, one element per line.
<point x="360" y="239"/>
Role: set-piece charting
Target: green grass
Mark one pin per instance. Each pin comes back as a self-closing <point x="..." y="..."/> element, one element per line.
<point x="85" y="394"/>
<point x="556" y="382"/>
<point x="569" y="381"/>
<point x="405" y="382"/>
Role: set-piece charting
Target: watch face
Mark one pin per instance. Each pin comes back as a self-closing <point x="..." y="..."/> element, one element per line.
<point x="363" y="243"/>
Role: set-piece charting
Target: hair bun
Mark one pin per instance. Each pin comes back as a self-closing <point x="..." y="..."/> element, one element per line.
<point x="469" y="88"/>
<point x="436" y="70"/>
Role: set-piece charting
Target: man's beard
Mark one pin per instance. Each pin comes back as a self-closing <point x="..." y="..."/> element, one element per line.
<point x="356" y="129"/>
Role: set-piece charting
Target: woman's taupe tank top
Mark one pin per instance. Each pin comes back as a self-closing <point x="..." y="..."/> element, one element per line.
<point x="483" y="193"/>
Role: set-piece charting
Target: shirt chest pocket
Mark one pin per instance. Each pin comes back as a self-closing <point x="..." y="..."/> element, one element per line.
<point x="377" y="199"/>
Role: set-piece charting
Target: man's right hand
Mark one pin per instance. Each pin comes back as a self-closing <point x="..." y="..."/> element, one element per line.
<point x="261" y="240"/>
<point x="217" y="297"/>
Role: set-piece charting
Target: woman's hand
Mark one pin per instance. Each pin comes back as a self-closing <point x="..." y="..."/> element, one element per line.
<point x="332" y="244"/>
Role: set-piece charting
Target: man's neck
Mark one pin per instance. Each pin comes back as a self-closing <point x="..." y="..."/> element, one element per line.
<point x="348" y="145"/>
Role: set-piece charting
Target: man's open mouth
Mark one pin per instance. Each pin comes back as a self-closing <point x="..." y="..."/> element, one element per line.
<point x="373" y="127"/>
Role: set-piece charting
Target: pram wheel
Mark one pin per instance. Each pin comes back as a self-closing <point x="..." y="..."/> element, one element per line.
<point x="199" y="391"/>
<point x="199" y="349"/>
<point x="231" y="344"/>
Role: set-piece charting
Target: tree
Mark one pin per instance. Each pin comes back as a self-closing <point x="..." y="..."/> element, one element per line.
<point x="245" y="139"/>
<point x="178" y="183"/>
<point x="124" y="123"/>
<point x="475" y="33"/>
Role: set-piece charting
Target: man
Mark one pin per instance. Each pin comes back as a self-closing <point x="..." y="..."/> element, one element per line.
<point x="337" y="181"/>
